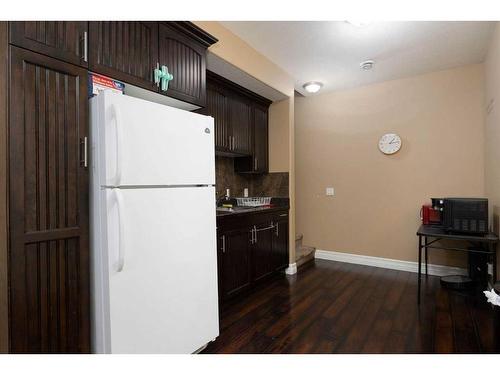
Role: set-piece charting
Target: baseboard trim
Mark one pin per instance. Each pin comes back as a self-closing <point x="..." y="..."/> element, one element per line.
<point x="393" y="264"/>
<point x="291" y="269"/>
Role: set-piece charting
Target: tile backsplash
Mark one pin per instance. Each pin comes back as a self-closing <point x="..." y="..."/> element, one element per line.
<point x="270" y="184"/>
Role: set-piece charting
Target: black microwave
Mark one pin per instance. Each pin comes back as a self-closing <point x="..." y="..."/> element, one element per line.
<point x="465" y="215"/>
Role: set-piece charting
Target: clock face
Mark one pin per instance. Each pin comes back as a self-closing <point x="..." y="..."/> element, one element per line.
<point x="389" y="143"/>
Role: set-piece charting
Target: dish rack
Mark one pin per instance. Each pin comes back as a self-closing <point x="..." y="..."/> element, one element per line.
<point x="253" y="201"/>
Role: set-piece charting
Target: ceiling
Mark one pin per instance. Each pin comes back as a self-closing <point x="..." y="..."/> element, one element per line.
<point x="331" y="51"/>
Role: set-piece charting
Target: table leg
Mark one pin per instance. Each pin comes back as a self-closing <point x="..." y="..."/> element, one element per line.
<point x="426" y="258"/>
<point x="419" y="266"/>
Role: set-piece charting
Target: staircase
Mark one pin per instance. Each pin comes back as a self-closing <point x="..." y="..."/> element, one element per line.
<point x="303" y="254"/>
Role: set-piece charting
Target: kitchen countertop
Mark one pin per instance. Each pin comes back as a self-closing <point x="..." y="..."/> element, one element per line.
<point x="246" y="210"/>
<point x="277" y="204"/>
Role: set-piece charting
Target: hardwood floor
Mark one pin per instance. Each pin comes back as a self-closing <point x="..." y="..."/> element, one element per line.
<point x="333" y="307"/>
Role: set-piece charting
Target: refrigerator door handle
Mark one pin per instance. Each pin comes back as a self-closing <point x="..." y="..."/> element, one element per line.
<point x="119" y="141"/>
<point x="121" y="231"/>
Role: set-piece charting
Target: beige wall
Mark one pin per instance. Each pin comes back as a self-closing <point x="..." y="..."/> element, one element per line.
<point x="375" y="210"/>
<point x="492" y="129"/>
<point x="281" y="121"/>
<point x="279" y="133"/>
<point x="492" y="124"/>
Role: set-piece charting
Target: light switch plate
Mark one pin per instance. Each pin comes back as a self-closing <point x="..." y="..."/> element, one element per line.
<point x="330" y="191"/>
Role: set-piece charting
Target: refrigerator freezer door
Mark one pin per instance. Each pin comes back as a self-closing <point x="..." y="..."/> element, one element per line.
<point x="162" y="271"/>
<point x="148" y="144"/>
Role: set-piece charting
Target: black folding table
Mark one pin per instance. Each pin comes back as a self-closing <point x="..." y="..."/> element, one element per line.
<point x="430" y="237"/>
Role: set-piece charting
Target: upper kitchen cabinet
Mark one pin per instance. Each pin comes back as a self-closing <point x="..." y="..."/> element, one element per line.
<point x="240" y="118"/>
<point x="62" y="40"/>
<point x="131" y="51"/>
<point x="217" y="107"/>
<point x="232" y="107"/>
<point x="126" y="51"/>
<point x="261" y="141"/>
<point x="182" y="52"/>
<point x="258" y="162"/>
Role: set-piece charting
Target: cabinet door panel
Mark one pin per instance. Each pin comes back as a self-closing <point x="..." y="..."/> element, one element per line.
<point x="260" y="155"/>
<point x="185" y="60"/>
<point x="127" y="51"/>
<point x="59" y="39"/>
<point x="235" y="268"/>
<point x="240" y="115"/>
<point x="280" y="245"/>
<point x="261" y="253"/>
<point x="49" y="254"/>
<point x="217" y="107"/>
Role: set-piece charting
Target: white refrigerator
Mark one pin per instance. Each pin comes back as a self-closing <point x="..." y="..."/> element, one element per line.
<point x="153" y="227"/>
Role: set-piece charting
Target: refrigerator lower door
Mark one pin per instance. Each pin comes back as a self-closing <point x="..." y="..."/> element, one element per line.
<point x="141" y="143"/>
<point x="162" y="269"/>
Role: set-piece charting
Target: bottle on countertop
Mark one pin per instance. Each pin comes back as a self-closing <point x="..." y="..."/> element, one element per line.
<point x="226" y="200"/>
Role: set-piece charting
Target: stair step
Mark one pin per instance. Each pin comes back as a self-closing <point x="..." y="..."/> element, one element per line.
<point x="304" y="254"/>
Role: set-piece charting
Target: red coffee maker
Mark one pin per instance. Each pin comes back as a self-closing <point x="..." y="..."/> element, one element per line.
<point x="431" y="213"/>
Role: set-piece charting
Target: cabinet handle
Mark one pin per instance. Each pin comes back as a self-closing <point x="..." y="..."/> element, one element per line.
<point x="84" y="40"/>
<point x="266" y="228"/>
<point x="223" y="243"/>
<point x="84" y="152"/>
<point x="254" y="235"/>
<point x="283" y="215"/>
<point x="157" y="73"/>
<point x="162" y="76"/>
<point x="256" y="164"/>
<point x="166" y="77"/>
<point x="277" y="230"/>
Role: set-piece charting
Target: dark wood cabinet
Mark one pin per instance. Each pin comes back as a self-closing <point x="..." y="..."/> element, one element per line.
<point x="217" y="107"/>
<point x="241" y="124"/>
<point x="262" y="250"/>
<point x="279" y="252"/>
<point x="64" y="40"/>
<point x="240" y="119"/>
<point x="235" y="262"/>
<point x="260" y="155"/>
<point x="258" y="162"/>
<point x="49" y="207"/>
<point x="130" y="51"/>
<point x="252" y="248"/>
<point x="126" y="51"/>
<point x="185" y="58"/>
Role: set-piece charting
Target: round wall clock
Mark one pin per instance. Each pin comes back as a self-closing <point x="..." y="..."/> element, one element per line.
<point x="389" y="143"/>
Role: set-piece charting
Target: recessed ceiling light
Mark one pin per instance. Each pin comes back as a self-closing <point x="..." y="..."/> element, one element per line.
<point x="312" y="87"/>
<point x="358" y="23"/>
<point x="367" y="65"/>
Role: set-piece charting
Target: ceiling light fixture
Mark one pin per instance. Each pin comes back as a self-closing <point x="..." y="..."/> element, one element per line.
<point x="367" y="65"/>
<point x="312" y="87"/>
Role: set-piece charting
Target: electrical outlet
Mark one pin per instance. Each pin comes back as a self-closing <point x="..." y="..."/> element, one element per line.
<point x="330" y="191"/>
